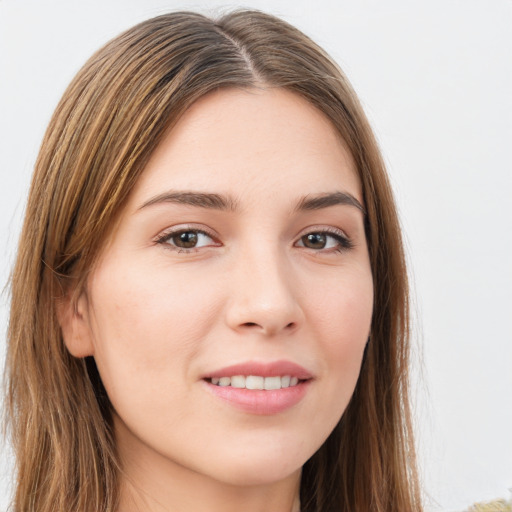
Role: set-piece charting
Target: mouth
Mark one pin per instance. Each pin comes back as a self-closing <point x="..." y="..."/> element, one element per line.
<point x="260" y="388"/>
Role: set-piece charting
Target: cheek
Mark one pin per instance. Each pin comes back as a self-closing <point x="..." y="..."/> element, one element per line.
<point x="146" y="325"/>
<point x="344" y="315"/>
<point x="343" y="310"/>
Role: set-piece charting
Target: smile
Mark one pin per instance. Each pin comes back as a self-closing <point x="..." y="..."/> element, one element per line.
<point x="260" y="388"/>
<point x="256" y="382"/>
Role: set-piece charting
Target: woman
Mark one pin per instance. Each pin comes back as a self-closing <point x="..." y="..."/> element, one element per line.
<point x="210" y="291"/>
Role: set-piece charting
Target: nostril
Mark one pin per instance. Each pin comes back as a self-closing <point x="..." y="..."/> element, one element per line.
<point x="288" y="327"/>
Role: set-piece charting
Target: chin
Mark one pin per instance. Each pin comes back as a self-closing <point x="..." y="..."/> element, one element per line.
<point x="249" y="475"/>
<point x="260" y="467"/>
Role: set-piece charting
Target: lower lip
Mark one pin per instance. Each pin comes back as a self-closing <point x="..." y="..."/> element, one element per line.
<point x="259" y="401"/>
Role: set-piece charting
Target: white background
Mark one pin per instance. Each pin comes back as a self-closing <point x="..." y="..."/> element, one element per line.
<point x="435" y="78"/>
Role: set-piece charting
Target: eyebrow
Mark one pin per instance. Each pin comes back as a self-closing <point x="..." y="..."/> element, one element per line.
<point x="226" y="203"/>
<point x="199" y="199"/>
<point x="319" y="201"/>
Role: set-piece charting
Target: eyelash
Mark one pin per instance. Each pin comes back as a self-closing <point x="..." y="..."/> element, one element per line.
<point x="344" y="242"/>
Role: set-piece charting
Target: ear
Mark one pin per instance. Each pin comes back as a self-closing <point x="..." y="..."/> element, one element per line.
<point x="74" y="320"/>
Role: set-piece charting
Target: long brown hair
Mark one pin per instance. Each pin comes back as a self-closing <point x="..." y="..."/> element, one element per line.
<point x="102" y="133"/>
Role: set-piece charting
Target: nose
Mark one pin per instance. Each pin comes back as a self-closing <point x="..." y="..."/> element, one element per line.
<point x="263" y="295"/>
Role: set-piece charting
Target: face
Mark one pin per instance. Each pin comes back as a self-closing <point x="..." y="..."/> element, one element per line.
<point x="239" y="262"/>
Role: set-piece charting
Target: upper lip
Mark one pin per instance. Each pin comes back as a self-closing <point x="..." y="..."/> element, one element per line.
<point x="268" y="369"/>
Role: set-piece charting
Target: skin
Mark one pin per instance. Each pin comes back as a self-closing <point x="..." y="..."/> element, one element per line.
<point x="157" y="319"/>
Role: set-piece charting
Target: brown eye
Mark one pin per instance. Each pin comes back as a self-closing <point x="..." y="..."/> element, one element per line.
<point x="185" y="239"/>
<point x="314" y="240"/>
<point x="320" y="240"/>
<point x="188" y="239"/>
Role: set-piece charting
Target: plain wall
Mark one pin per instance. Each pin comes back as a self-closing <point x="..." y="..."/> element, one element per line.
<point x="435" y="79"/>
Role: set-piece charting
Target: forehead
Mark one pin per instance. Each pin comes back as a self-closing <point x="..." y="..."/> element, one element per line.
<point x="243" y="142"/>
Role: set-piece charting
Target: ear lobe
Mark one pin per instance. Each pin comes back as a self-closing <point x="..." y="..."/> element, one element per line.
<point x="73" y="319"/>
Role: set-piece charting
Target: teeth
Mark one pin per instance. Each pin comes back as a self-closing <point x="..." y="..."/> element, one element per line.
<point x="252" y="382"/>
<point x="256" y="382"/>
<point x="238" y="381"/>
<point x="272" y="383"/>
